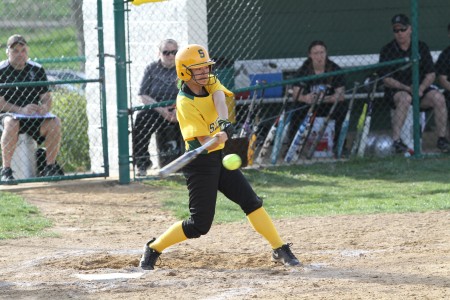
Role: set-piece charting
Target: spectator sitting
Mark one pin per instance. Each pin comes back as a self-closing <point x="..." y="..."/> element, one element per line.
<point x="398" y="86"/>
<point x="32" y="101"/>
<point x="443" y="69"/>
<point x="319" y="63"/>
<point x="159" y="83"/>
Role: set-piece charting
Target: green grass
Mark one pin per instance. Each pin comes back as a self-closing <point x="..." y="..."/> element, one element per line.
<point x="394" y="185"/>
<point x="19" y="219"/>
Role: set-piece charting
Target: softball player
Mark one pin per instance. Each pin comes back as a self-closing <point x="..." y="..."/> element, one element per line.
<point x="205" y="175"/>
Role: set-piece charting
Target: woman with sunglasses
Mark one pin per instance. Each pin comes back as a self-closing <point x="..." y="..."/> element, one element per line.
<point x="398" y="85"/>
<point x="159" y="83"/>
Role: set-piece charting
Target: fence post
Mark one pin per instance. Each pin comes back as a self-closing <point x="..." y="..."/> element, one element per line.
<point x="415" y="74"/>
<point x="121" y="87"/>
<point x="102" y="76"/>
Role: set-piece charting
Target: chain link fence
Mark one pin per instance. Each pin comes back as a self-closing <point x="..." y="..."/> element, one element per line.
<point x="156" y="141"/>
<point x="288" y="62"/>
<point x="46" y="91"/>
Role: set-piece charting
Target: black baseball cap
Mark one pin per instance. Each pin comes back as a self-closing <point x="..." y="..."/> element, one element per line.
<point x="16" y="39"/>
<point x="400" y="19"/>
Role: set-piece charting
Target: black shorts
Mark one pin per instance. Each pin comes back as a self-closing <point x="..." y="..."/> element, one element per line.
<point x="389" y="94"/>
<point x="32" y="127"/>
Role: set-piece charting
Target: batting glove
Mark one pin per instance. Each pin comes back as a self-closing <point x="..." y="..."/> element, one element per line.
<point x="226" y="126"/>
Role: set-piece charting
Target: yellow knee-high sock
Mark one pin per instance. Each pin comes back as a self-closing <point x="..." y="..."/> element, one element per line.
<point x="263" y="224"/>
<point x="172" y="236"/>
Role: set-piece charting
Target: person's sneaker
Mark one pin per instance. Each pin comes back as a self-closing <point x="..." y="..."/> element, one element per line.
<point x="443" y="145"/>
<point x="142" y="171"/>
<point x="399" y="146"/>
<point x="7" y="176"/>
<point x="150" y="256"/>
<point x="285" y="256"/>
<point x="142" y="166"/>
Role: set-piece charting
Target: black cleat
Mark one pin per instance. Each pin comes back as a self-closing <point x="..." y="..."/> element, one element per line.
<point x="443" y="145"/>
<point x="285" y="256"/>
<point x="7" y="176"/>
<point x="142" y="166"/>
<point x="142" y="171"/>
<point x="400" y="147"/>
<point x="150" y="256"/>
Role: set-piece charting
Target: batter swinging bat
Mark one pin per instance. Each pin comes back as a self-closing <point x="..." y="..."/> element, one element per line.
<point x="184" y="159"/>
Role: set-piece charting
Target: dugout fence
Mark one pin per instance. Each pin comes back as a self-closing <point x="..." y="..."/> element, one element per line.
<point x="95" y="54"/>
<point x="57" y="39"/>
<point x="259" y="47"/>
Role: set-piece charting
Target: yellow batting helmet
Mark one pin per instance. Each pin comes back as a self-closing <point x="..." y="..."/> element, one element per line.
<point x="191" y="57"/>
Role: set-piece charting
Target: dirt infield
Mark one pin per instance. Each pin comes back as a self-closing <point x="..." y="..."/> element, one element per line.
<point x="102" y="227"/>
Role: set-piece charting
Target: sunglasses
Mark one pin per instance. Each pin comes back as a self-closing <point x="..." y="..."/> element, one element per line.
<point x="399" y="30"/>
<point x="167" y="53"/>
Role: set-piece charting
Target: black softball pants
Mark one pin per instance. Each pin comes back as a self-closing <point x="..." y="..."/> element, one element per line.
<point x="204" y="177"/>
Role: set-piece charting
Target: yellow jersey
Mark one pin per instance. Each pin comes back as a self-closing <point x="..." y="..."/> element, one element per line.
<point x="197" y="115"/>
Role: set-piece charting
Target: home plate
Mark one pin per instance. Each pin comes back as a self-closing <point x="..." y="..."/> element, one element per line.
<point x="109" y="276"/>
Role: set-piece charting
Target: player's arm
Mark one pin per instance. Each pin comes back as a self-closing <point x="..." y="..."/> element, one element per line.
<point x="295" y="92"/>
<point x="305" y="98"/>
<point x="395" y="84"/>
<point x="444" y="82"/>
<point x="5" y="106"/>
<point x="166" y="112"/>
<point x="298" y="94"/>
<point x="45" y="101"/>
<point x="390" y="82"/>
<point x="337" y="96"/>
<point x="427" y="66"/>
<point x="221" y="136"/>
<point x="308" y="98"/>
<point x="8" y="107"/>
<point x="220" y="104"/>
<point x="426" y="82"/>
<point x="340" y="94"/>
<point x="222" y="110"/>
<point x="442" y="68"/>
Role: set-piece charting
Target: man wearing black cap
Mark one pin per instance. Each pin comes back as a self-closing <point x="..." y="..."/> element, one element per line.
<point x="443" y="69"/>
<point x="398" y="85"/>
<point x="17" y="103"/>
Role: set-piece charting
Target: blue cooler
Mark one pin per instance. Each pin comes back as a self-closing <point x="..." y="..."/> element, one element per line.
<point x="264" y="78"/>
